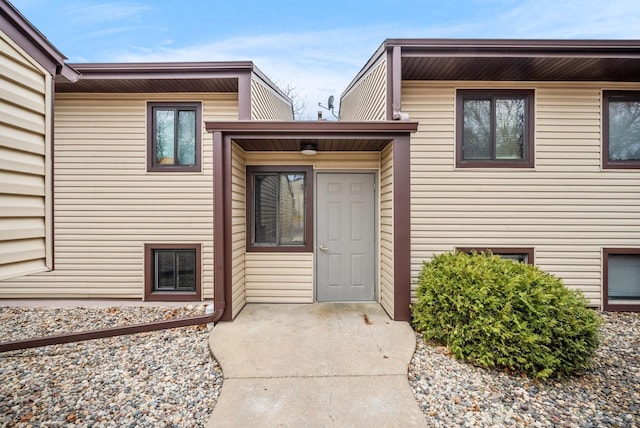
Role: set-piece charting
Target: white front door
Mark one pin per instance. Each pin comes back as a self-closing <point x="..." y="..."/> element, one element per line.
<point x="345" y="241"/>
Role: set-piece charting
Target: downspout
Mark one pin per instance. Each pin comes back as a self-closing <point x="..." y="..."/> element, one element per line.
<point x="396" y="85"/>
<point x="218" y="289"/>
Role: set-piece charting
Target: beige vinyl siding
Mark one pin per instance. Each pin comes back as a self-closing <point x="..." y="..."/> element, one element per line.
<point x="367" y="99"/>
<point x="267" y="104"/>
<point x="323" y="160"/>
<point x="567" y="208"/>
<point x="25" y="143"/>
<point x="107" y="206"/>
<point x="279" y="277"/>
<point x="238" y="229"/>
<point x="386" y="230"/>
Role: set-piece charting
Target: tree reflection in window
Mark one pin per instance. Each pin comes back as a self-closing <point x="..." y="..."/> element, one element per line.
<point x="279" y="208"/>
<point x="494" y="128"/>
<point x="624" y="129"/>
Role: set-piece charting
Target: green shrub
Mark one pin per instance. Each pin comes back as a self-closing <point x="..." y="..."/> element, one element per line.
<point x="495" y="312"/>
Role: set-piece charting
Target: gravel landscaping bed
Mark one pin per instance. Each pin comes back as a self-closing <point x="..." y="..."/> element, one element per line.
<point x="452" y="393"/>
<point x="169" y="378"/>
<point x="156" y="379"/>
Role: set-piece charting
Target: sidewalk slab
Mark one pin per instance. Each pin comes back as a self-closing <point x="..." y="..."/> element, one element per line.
<point x="360" y="401"/>
<point x="322" y="339"/>
<point x="314" y="365"/>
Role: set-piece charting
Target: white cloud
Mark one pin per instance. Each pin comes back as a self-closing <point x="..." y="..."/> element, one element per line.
<point x="322" y="63"/>
<point x="103" y="12"/>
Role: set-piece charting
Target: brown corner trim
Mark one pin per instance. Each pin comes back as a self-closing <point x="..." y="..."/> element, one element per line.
<point x="226" y="177"/>
<point x="402" y="229"/>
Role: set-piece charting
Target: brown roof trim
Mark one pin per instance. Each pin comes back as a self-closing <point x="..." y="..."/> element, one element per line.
<point x="519" y="47"/>
<point x="162" y="70"/>
<point x="21" y="31"/>
<point x="318" y="127"/>
<point x="145" y="77"/>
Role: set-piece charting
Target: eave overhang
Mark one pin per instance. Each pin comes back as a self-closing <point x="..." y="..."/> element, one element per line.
<point x="518" y="60"/>
<point x="328" y="135"/>
<point x="158" y="77"/>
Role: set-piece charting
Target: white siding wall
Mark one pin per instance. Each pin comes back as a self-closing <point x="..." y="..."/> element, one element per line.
<point x="386" y="230"/>
<point x="567" y="207"/>
<point x="238" y="230"/>
<point x="25" y="134"/>
<point x="107" y="206"/>
<point x="367" y="100"/>
<point x="267" y="104"/>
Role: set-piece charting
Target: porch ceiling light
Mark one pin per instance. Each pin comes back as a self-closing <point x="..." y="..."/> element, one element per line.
<point x="309" y="148"/>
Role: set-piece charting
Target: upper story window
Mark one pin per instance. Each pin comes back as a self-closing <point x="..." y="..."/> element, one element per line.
<point x="174" y="134"/>
<point x="621" y="129"/>
<point x="280" y="208"/>
<point x="494" y="129"/>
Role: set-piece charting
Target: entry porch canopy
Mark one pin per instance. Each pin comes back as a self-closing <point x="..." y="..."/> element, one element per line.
<point x="332" y="136"/>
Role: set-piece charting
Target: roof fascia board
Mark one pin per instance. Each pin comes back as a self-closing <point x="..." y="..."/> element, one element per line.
<point x="289" y="128"/>
<point x="170" y="70"/>
<point x="22" y="32"/>
<point x="517" y="48"/>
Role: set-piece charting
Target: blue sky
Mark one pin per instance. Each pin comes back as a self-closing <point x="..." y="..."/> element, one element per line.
<point x="315" y="46"/>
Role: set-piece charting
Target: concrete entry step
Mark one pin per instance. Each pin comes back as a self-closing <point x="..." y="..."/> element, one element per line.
<point x="325" y="364"/>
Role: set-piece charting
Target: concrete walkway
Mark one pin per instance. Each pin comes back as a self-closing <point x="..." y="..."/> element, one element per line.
<point x="316" y="365"/>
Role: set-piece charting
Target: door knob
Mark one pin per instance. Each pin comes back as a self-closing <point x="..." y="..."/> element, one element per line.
<point x="323" y="248"/>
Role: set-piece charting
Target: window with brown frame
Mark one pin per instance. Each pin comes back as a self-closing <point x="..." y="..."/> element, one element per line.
<point x="621" y="129"/>
<point x="494" y="129"/>
<point x="174" y="137"/>
<point x="621" y="279"/>
<point x="523" y="255"/>
<point x="172" y="272"/>
<point x="280" y="208"/>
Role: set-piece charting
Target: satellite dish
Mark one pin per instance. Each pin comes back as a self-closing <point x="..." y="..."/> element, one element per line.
<point x="330" y="102"/>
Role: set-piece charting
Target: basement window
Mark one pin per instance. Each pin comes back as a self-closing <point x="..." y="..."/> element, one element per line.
<point x="621" y="279"/>
<point x="522" y="255"/>
<point x="172" y="272"/>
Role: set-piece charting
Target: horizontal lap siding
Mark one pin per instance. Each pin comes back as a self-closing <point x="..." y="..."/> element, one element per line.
<point x="323" y="160"/>
<point x="279" y="277"/>
<point x="368" y="99"/>
<point x="107" y="206"/>
<point x="386" y="230"/>
<point x="238" y="232"/>
<point x="267" y="104"/>
<point x="567" y="207"/>
<point x="24" y="187"/>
